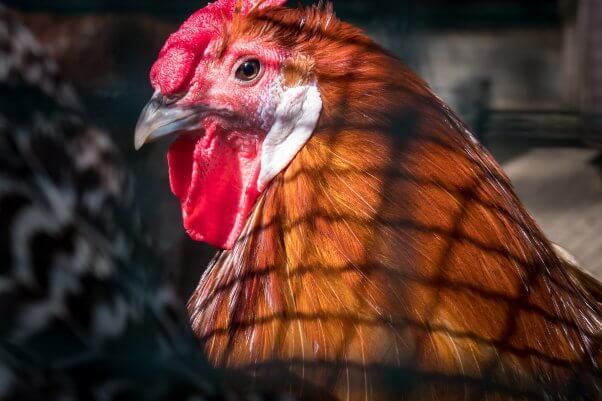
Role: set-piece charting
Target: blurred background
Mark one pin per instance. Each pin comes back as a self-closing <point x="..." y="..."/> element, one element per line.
<point x="525" y="74"/>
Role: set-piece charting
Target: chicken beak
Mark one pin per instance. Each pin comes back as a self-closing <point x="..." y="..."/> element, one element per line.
<point x="159" y="118"/>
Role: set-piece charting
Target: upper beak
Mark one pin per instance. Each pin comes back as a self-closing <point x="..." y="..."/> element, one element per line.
<point x="160" y="118"/>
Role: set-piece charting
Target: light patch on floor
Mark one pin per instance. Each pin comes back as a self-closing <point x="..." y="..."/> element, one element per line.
<point x="563" y="191"/>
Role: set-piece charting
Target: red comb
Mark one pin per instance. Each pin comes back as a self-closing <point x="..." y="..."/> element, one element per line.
<point x="174" y="66"/>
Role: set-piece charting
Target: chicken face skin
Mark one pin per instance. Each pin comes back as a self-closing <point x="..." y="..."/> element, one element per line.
<point x="240" y="118"/>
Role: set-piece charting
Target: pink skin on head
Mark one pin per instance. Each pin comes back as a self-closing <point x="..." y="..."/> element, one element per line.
<point x="213" y="171"/>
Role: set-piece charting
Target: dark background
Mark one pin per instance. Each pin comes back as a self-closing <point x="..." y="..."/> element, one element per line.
<point x="439" y="12"/>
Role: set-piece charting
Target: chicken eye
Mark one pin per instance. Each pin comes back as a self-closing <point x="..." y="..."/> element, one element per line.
<point x="248" y="70"/>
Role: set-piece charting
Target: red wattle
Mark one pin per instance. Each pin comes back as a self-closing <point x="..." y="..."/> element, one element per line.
<point x="216" y="184"/>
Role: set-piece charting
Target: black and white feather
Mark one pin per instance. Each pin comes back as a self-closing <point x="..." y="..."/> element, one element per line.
<point x="61" y="185"/>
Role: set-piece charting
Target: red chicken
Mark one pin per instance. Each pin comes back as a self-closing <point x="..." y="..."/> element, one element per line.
<point x="372" y="249"/>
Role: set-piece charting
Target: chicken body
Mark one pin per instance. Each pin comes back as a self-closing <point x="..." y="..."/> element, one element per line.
<point x="390" y="259"/>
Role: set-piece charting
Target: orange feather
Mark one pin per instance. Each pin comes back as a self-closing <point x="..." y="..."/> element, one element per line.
<point x="392" y="258"/>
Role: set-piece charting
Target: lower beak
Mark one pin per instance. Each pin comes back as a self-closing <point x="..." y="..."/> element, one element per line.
<point x="159" y="119"/>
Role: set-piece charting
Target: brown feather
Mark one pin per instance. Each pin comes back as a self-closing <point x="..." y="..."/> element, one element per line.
<point x="392" y="257"/>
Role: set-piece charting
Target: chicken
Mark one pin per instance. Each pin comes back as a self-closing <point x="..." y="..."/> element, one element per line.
<point x="85" y="312"/>
<point x="371" y="248"/>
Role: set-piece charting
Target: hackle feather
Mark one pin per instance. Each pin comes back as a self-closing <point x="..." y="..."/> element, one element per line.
<point x="392" y="256"/>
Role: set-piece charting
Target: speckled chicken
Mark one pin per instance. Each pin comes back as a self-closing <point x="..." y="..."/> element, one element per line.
<point x="84" y="311"/>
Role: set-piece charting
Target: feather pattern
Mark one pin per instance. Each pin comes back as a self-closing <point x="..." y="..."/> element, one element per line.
<point x="392" y="258"/>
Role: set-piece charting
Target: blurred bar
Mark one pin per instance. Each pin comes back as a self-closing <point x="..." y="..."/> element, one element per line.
<point x="450" y="13"/>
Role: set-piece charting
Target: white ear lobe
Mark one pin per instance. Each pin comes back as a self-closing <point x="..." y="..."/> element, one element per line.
<point x="295" y="120"/>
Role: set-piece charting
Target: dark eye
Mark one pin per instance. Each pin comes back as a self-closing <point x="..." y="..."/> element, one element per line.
<point x="248" y="70"/>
